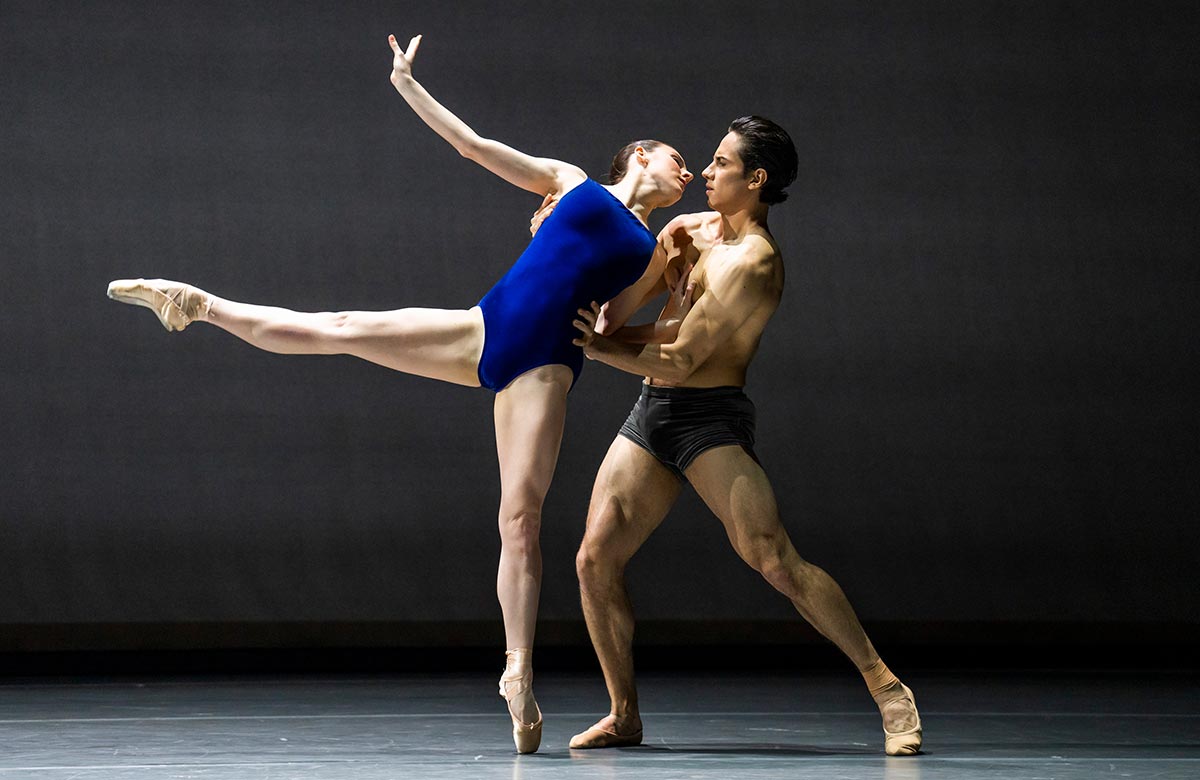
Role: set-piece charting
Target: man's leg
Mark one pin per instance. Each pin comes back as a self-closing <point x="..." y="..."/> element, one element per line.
<point x="631" y="496"/>
<point x="736" y="489"/>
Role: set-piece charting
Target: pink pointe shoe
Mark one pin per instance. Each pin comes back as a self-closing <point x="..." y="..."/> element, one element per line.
<point x="908" y="742"/>
<point x="599" y="735"/>
<point x="175" y="304"/>
<point x="516" y="680"/>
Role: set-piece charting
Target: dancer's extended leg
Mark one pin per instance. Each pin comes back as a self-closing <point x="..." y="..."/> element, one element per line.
<point x="630" y="498"/>
<point x="529" y="425"/>
<point x="437" y="343"/>
<point x="736" y="489"/>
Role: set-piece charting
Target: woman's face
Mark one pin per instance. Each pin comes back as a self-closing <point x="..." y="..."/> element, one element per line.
<point x="668" y="170"/>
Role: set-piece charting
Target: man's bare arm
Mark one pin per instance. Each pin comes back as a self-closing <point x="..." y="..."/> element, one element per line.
<point x="730" y="300"/>
<point x="616" y="313"/>
<point x="665" y="329"/>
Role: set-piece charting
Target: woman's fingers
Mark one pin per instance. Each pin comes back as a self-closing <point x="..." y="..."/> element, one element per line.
<point x="413" y="45"/>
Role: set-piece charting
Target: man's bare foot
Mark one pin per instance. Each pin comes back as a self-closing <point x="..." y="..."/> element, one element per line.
<point x="610" y="731"/>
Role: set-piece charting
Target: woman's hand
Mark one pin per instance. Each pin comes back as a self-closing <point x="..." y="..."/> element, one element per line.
<point x="679" y="295"/>
<point x="586" y="325"/>
<point x="402" y="60"/>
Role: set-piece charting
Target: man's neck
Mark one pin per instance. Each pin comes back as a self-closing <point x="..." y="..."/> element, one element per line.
<point x="735" y="225"/>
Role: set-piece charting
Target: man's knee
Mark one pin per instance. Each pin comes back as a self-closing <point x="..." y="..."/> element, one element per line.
<point x="599" y="557"/>
<point x="779" y="565"/>
<point x="594" y="565"/>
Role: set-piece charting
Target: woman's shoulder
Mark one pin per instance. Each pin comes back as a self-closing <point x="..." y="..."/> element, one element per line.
<point x="567" y="178"/>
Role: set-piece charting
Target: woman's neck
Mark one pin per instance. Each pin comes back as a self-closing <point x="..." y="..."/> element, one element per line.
<point x="636" y="193"/>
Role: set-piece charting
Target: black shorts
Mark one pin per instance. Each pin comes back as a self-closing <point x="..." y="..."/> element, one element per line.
<point x="676" y="424"/>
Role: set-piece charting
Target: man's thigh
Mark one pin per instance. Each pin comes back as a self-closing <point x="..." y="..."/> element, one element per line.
<point x="632" y="494"/>
<point x="736" y="489"/>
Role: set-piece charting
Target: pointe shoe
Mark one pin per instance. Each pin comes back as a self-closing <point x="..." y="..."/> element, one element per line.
<point x="517" y="679"/>
<point x="175" y="304"/>
<point x="597" y="736"/>
<point x="904" y="743"/>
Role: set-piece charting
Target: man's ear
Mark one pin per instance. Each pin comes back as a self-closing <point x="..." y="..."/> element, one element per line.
<point x="758" y="179"/>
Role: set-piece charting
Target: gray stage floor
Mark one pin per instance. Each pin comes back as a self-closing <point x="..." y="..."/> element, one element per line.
<point x="978" y="725"/>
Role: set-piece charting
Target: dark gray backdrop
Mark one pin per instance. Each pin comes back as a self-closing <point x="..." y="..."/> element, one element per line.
<point x="976" y="401"/>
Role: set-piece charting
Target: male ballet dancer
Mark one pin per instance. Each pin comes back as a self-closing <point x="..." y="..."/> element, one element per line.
<point x="693" y="423"/>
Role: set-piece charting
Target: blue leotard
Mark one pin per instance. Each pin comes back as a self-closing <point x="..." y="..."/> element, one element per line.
<point x="589" y="249"/>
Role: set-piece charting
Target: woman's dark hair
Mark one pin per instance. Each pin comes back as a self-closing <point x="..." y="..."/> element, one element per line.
<point x="620" y="163"/>
<point x="766" y="145"/>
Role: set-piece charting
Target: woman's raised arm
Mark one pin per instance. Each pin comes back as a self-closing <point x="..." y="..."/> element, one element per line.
<point x="536" y="174"/>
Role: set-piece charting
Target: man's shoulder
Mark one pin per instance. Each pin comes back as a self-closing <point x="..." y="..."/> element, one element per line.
<point x="758" y="252"/>
<point x="754" y="264"/>
<point x="690" y="223"/>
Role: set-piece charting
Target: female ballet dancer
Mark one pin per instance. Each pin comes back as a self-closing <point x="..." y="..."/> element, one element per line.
<point x="516" y="341"/>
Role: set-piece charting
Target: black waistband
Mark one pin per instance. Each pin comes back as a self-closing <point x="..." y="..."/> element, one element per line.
<point x="657" y="391"/>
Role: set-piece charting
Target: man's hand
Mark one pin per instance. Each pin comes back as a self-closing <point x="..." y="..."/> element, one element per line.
<point x="402" y="60"/>
<point x="544" y="210"/>
<point x="586" y="325"/>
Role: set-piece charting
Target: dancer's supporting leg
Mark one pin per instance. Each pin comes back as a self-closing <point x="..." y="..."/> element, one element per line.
<point x="437" y="343"/>
<point x="737" y="491"/>
<point x="631" y="496"/>
<point x="529" y="426"/>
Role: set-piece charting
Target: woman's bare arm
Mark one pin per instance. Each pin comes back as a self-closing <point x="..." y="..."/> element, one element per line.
<point x="535" y="174"/>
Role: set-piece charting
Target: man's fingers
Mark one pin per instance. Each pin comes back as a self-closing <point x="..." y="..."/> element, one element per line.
<point x="392" y="42"/>
<point x="413" y="45"/>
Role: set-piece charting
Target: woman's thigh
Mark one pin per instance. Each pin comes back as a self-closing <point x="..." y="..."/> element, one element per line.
<point x="440" y="344"/>
<point x="529" y="414"/>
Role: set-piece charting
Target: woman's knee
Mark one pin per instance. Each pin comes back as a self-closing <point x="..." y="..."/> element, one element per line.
<point x="520" y="528"/>
<point x="339" y="328"/>
<point x="325" y="333"/>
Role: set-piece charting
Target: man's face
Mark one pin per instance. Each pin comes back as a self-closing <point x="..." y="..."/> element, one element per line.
<point x="725" y="179"/>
